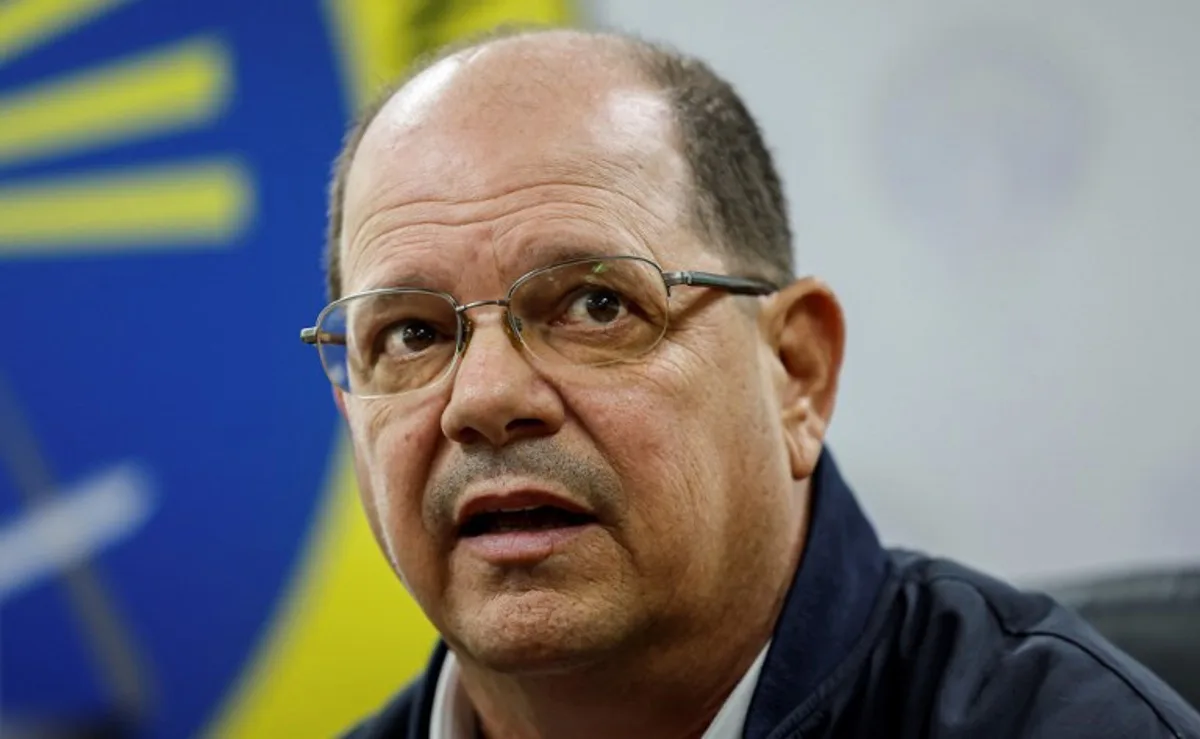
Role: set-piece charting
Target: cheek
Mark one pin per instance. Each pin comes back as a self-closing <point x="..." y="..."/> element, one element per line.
<point x="668" y="444"/>
<point x="393" y="449"/>
<point x="695" y="444"/>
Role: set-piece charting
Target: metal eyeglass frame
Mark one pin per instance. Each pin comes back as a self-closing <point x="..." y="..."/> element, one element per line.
<point x="730" y="284"/>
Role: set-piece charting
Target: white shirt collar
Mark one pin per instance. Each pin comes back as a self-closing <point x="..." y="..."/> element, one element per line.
<point x="453" y="717"/>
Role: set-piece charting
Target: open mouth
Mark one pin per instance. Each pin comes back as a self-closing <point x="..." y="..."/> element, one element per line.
<point x="537" y="518"/>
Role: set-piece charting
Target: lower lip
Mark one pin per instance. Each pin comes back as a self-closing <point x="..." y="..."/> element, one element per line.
<point x="521" y="547"/>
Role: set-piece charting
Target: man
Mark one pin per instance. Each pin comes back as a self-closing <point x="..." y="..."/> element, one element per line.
<point x="588" y="401"/>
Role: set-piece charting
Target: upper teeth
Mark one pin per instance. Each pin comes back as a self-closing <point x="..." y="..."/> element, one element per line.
<point x="519" y="510"/>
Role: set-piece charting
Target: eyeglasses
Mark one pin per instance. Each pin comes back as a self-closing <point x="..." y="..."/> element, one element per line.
<point x="591" y="311"/>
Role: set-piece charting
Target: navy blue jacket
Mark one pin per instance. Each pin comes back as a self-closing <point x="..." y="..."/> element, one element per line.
<point x="876" y="644"/>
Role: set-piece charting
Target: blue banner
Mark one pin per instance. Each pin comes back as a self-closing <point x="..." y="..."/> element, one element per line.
<point x="164" y="438"/>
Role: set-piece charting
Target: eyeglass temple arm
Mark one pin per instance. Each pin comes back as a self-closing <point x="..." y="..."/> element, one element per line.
<point x="735" y="285"/>
<point x="311" y="336"/>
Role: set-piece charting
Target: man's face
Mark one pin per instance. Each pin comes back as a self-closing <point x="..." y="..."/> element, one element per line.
<point x="675" y="461"/>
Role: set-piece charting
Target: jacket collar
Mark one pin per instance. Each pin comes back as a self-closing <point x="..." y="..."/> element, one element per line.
<point x="828" y="605"/>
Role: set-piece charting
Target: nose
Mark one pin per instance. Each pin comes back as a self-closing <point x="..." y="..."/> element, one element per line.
<point x="497" y="396"/>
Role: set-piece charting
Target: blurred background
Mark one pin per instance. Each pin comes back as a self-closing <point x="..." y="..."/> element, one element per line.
<point x="1005" y="198"/>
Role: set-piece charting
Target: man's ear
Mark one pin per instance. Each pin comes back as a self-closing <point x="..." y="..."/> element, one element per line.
<point x="803" y="325"/>
<point x="339" y="398"/>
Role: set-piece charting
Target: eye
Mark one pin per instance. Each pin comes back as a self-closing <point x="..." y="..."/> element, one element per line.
<point x="404" y="338"/>
<point x="598" y="305"/>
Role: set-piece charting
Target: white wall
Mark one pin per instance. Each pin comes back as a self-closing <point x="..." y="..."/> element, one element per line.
<point x="1007" y="198"/>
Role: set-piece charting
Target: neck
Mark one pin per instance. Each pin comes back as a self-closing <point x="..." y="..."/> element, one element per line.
<point x="677" y="700"/>
<point x="672" y="690"/>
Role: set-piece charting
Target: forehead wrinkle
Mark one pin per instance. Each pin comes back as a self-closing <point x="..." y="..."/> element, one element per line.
<point x="607" y="175"/>
<point x="381" y="269"/>
<point x="515" y="249"/>
<point x="531" y="245"/>
<point x="389" y="223"/>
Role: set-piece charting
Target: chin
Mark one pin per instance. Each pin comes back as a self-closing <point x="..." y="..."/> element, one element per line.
<point x="537" y="631"/>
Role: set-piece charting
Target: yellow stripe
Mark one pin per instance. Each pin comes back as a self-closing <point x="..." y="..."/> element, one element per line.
<point x="207" y="202"/>
<point x="373" y="43"/>
<point x="376" y="40"/>
<point x="484" y="16"/>
<point x="347" y="635"/>
<point x="185" y="85"/>
<point x="27" y="23"/>
<point x="346" y="639"/>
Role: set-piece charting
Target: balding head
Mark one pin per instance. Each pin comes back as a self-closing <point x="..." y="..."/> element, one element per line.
<point x="538" y="83"/>
<point x="543" y="75"/>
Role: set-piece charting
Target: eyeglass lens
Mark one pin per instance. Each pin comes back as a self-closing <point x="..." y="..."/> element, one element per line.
<point x="587" y="312"/>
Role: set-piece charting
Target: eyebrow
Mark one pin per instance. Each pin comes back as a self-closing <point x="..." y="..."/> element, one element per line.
<point x="405" y="276"/>
<point x="538" y="253"/>
<point x="531" y="255"/>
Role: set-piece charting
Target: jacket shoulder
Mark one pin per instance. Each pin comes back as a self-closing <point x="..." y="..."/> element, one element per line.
<point x="1001" y="655"/>
<point x="407" y="714"/>
<point x="393" y="721"/>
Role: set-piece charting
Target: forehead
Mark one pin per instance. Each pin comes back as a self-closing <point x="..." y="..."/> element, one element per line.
<point x="481" y="146"/>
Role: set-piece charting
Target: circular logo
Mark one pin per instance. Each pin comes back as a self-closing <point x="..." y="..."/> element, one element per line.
<point x="164" y="438"/>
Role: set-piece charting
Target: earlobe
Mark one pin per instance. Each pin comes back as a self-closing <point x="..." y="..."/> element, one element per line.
<point x="804" y="326"/>
<point x="339" y="400"/>
<point x="804" y="433"/>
